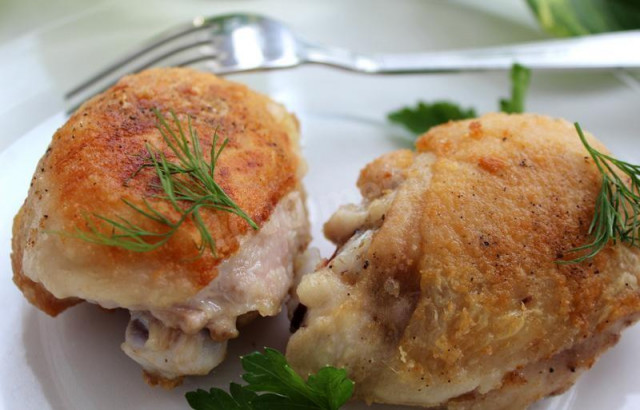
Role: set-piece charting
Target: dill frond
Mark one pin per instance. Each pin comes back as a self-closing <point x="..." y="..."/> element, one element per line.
<point x="188" y="185"/>
<point x="617" y="208"/>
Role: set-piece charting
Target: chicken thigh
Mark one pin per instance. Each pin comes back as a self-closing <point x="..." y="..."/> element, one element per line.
<point x="446" y="287"/>
<point x="184" y="303"/>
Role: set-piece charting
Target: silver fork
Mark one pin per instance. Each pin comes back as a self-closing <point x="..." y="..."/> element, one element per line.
<point x="246" y="42"/>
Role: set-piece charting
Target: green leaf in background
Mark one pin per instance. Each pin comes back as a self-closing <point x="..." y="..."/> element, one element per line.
<point x="580" y="17"/>
<point x="520" y="78"/>
<point x="424" y="115"/>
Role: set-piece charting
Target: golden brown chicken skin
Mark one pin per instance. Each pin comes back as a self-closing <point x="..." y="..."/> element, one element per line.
<point x="91" y="159"/>
<point x="446" y="288"/>
<point x="94" y="163"/>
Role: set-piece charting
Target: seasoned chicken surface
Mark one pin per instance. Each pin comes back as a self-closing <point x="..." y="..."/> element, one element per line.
<point x="445" y="288"/>
<point x="184" y="307"/>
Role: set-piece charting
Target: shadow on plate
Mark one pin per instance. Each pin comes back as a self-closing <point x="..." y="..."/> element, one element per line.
<point x="76" y="357"/>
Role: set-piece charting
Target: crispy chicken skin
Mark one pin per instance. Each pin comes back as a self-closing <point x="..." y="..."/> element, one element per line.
<point x="90" y="167"/>
<point x="445" y="288"/>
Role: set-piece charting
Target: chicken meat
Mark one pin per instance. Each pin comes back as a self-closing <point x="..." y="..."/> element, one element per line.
<point x="446" y="288"/>
<point x="184" y="305"/>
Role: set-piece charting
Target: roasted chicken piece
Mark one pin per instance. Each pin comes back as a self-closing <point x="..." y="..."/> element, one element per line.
<point x="184" y="307"/>
<point x="446" y="290"/>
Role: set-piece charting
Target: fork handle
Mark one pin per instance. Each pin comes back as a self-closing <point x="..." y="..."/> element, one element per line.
<point x="614" y="50"/>
<point x="600" y="51"/>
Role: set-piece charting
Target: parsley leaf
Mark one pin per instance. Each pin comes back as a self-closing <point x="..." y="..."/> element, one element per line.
<point x="333" y="384"/>
<point x="280" y="386"/>
<point x="520" y="77"/>
<point x="425" y="116"/>
<point x="216" y="399"/>
<point x="422" y="117"/>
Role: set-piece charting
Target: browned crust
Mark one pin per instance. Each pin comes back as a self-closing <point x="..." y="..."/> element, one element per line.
<point x="491" y="237"/>
<point x="461" y="283"/>
<point x="384" y="173"/>
<point x="88" y="168"/>
<point x="508" y="197"/>
<point x="552" y="376"/>
<point x="35" y="293"/>
<point x="155" y="380"/>
<point x="38" y="296"/>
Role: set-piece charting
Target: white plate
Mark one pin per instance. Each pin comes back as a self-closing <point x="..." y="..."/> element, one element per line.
<point x="74" y="361"/>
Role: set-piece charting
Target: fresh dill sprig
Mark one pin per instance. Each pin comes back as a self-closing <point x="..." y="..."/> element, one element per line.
<point x="617" y="208"/>
<point x="189" y="186"/>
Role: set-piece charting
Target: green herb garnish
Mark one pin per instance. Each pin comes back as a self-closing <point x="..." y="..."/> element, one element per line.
<point x="274" y="385"/>
<point x="520" y="77"/>
<point x="188" y="185"/>
<point x="425" y="116"/>
<point x="617" y="211"/>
